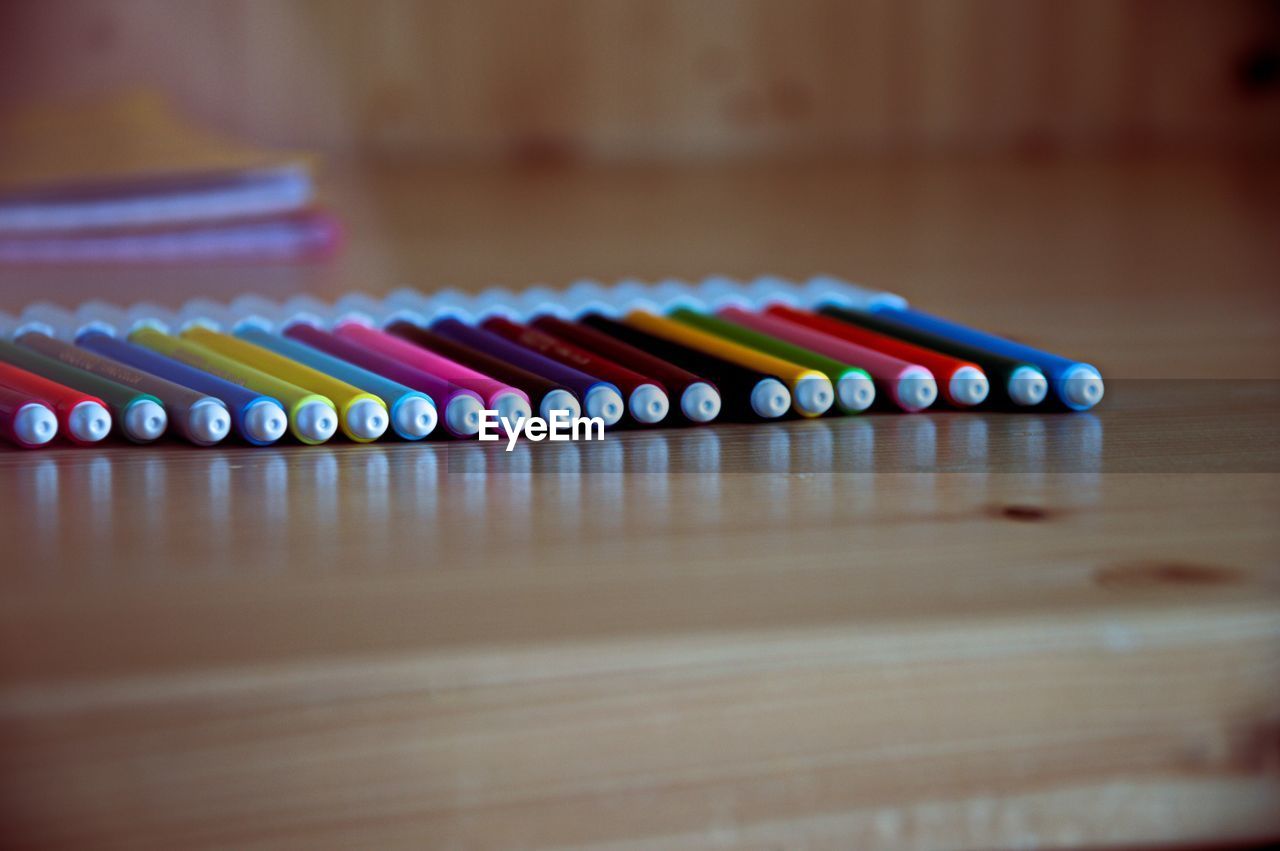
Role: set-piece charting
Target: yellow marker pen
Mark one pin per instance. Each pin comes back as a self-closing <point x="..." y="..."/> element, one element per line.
<point x="312" y="418"/>
<point x="811" y="391"/>
<point x="362" y="416"/>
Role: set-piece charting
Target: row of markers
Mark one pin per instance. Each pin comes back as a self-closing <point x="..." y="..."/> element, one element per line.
<point x="413" y="363"/>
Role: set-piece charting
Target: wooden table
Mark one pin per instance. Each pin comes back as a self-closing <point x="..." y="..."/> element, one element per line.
<point x="942" y="630"/>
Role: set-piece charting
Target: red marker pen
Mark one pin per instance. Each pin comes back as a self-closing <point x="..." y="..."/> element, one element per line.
<point x="699" y="399"/>
<point x="960" y="382"/>
<point x="84" y="418"/>
<point x="647" y="400"/>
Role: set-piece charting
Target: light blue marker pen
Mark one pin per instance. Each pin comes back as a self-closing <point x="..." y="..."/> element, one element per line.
<point x="1078" y="385"/>
<point x="413" y="414"/>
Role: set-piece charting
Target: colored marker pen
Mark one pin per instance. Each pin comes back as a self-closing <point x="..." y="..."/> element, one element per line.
<point x="960" y="383"/>
<point x="509" y="402"/>
<point x="84" y="418"/>
<point x="647" y="400"/>
<point x="854" y="389"/>
<point x="811" y="391"/>
<point x="699" y="400"/>
<point x="461" y="407"/>
<point x="202" y="420"/>
<point x="1077" y="385"/>
<point x="745" y="394"/>
<point x="909" y="386"/>
<point x="312" y="418"/>
<point x="599" y="398"/>
<point x="1016" y="382"/>
<point x="413" y="413"/>
<point x="140" y="416"/>
<point x="259" y="419"/>
<point x="25" y="420"/>
<point x="550" y="396"/>
<point x="362" y="416"/>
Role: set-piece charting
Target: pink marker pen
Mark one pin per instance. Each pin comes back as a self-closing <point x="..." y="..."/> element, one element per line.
<point x="510" y="402"/>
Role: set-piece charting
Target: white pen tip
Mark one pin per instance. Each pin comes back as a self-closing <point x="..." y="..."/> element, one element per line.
<point x="367" y="419"/>
<point x="813" y="395"/>
<point x="89" y="422"/>
<point x="264" y="421"/>
<point x="917" y="389"/>
<point x="144" y="421"/>
<point x="462" y="415"/>
<point x="700" y="402"/>
<point x="605" y="403"/>
<point x="512" y="407"/>
<point x="1081" y="387"/>
<point x="968" y="386"/>
<point x="208" y="422"/>
<point x="34" y="425"/>
<point x="770" y="399"/>
<point x="559" y="400"/>
<point x="855" y="392"/>
<point x="316" y="422"/>
<point x="415" y="417"/>
<point x="648" y="404"/>
<point x="1027" y="386"/>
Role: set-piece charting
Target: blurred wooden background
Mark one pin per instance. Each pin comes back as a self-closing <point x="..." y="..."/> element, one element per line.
<point x="662" y="79"/>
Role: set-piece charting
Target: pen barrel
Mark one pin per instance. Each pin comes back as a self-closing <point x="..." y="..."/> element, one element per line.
<point x="1054" y="366"/>
<point x="1000" y="370"/>
<point x="888" y="372"/>
<point x="575" y="380"/>
<point x="180" y="403"/>
<point x="292" y="397"/>
<point x="456" y="374"/>
<point x="534" y="387"/>
<point x="943" y="366"/>
<point x="391" y="393"/>
<point x="806" y="385"/>
<point x="63" y="399"/>
<point x="568" y="354"/>
<point x="734" y="382"/>
<point x="429" y="385"/>
<point x="236" y="398"/>
<point x="843" y="376"/>
<point x="117" y="397"/>
<point x="342" y="395"/>
<point x="441" y="391"/>
<point x="671" y="377"/>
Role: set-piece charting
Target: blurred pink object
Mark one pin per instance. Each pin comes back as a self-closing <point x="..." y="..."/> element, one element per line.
<point x="310" y="235"/>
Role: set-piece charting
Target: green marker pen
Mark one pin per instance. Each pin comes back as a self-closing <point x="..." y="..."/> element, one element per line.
<point x="854" y="388"/>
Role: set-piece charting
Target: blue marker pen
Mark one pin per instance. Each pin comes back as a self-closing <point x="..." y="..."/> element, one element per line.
<point x="1078" y="385"/>
<point x="412" y="412"/>
<point x="259" y="419"/>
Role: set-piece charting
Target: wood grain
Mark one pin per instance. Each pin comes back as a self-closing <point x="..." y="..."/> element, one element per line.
<point x="656" y="79"/>
<point x="931" y="631"/>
